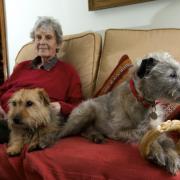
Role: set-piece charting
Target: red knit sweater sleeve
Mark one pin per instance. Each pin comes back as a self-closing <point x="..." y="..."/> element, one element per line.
<point x="6" y="85"/>
<point x="74" y="95"/>
<point x="66" y="89"/>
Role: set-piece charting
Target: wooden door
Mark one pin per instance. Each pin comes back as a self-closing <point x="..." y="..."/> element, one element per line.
<point x="3" y="47"/>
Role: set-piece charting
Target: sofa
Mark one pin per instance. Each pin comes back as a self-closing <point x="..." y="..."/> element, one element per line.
<point x="94" y="55"/>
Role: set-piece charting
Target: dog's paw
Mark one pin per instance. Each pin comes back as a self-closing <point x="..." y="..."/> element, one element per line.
<point x="157" y="158"/>
<point x="98" y="139"/>
<point x="45" y="142"/>
<point x="95" y="137"/>
<point x="172" y="162"/>
<point x="13" y="151"/>
<point x="33" y="147"/>
<point x="43" y="145"/>
<point x="157" y="154"/>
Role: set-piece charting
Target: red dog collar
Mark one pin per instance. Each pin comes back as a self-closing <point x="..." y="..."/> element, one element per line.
<point x="143" y="101"/>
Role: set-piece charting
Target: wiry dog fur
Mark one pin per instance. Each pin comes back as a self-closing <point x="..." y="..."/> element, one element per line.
<point x="31" y="121"/>
<point x="119" y="116"/>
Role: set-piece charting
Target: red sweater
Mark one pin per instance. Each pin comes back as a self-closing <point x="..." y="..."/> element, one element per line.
<point x="62" y="84"/>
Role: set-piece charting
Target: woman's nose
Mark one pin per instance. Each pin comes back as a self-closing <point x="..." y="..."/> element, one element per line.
<point x="42" y="41"/>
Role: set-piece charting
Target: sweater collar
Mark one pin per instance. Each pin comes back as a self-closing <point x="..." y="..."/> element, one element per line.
<point x="47" y="66"/>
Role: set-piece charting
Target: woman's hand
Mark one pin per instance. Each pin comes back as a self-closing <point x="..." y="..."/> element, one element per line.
<point x="56" y="107"/>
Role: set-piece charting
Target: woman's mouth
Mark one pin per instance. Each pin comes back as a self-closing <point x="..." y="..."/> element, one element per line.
<point x="42" y="49"/>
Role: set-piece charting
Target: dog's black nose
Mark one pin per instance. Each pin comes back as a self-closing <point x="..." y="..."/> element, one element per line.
<point x="17" y="119"/>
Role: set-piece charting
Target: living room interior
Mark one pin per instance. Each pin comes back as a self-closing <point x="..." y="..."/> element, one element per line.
<point x="102" y="37"/>
<point x="75" y="17"/>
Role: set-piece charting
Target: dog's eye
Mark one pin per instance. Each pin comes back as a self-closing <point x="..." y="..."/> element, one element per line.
<point x="173" y="75"/>
<point x="29" y="103"/>
<point x="13" y="103"/>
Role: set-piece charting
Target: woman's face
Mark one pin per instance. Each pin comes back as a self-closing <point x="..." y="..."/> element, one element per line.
<point x="45" y="43"/>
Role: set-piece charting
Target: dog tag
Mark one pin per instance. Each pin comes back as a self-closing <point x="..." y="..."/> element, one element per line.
<point x="153" y="115"/>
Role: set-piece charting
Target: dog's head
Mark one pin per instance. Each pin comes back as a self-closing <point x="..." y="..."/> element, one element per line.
<point x="146" y="66"/>
<point x="159" y="77"/>
<point x="29" y="108"/>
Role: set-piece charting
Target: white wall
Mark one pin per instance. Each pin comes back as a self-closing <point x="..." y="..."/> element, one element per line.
<point x="75" y="18"/>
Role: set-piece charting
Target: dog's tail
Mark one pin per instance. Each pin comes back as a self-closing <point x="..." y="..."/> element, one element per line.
<point x="80" y="118"/>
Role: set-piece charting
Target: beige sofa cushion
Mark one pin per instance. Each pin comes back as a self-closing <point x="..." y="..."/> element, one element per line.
<point x="136" y="44"/>
<point x="81" y="50"/>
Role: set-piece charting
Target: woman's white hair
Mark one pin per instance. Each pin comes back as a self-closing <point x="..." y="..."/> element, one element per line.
<point x="48" y="22"/>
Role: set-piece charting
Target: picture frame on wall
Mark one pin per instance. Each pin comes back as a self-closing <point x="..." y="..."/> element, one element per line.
<point x="103" y="4"/>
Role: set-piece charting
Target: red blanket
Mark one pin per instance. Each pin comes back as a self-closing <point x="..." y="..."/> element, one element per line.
<point x="76" y="158"/>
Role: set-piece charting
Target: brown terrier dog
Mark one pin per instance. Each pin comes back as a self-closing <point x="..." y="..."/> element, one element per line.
<point x="31" y="120"/>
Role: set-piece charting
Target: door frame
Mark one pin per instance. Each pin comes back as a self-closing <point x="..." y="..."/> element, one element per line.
<point x="3" y="39"/>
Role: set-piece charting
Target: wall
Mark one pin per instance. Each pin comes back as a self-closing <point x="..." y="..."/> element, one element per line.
<point x="75" y="18"/>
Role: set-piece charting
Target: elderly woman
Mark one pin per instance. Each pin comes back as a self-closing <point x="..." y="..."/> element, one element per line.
<point x="60" y="80"/>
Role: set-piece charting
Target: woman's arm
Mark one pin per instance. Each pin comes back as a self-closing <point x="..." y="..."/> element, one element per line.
<point x="74" y="96"/>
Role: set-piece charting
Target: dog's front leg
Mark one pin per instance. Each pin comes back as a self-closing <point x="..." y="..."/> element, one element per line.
<point x="15" y="144"/>
<point x="48" y="136"/>
<point x="163" y="153"/>
<point x="33" y="145"/>
<point x="42" y="138"/>
<point x="156" y="154"/>
<point x="172" y="157"/>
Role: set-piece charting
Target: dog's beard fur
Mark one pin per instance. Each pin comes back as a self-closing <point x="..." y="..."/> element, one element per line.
<point x="119" y="116"/>
<point x="31" y="120"/>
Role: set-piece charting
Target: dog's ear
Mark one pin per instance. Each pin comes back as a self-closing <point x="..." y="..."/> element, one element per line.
<point x="44" y="96"/>
<point x="146" y="66"/>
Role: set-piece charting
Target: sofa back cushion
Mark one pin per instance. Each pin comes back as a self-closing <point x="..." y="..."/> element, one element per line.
<point x="119" y="74"/>
<point x="81" y="50"/>
<point x="136" y="44"/>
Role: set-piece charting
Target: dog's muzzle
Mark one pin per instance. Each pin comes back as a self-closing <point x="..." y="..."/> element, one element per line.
<point x="17" y="119"/>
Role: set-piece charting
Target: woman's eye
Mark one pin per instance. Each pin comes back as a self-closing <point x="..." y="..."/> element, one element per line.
<point x="29" y="103"/>
<point x="38" y="37"/>
<point x="48" y="37"/>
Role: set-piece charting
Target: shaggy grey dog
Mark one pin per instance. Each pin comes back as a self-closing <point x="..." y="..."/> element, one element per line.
<point x="126" y="113"/>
